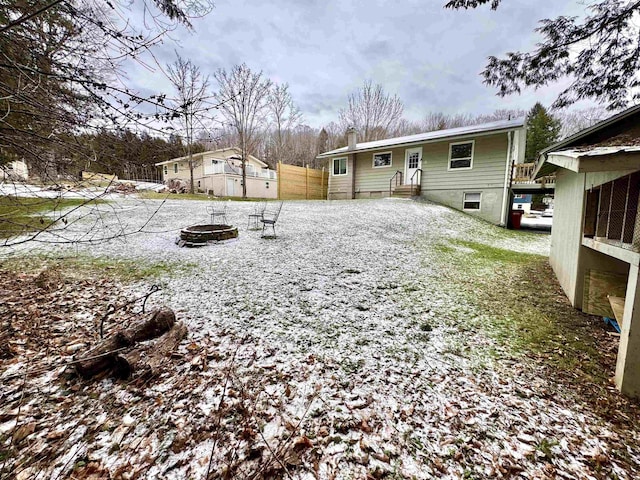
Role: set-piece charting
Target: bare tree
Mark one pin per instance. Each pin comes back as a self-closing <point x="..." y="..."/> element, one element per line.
<point x="189" y="104"/>
<point x="243" y="96"/>
<point x="61" y="77"/>
<point x="576" y="120"/>
<point x="372" y="112"/>
<point x="285" y="116"/>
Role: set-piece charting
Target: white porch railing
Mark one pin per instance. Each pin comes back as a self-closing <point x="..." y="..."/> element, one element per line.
<point x="225" y="168"/>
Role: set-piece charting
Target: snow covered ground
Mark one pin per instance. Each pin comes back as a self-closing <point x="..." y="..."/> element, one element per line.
<point x="325" y="353"/>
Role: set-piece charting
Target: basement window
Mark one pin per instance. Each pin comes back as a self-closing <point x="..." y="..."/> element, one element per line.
<point x="339" y="166"/>
<point x="461" y="155"/>
<point x="471" y="201"/>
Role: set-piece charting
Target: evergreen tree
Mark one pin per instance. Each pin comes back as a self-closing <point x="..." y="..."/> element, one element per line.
<point x="543" y="130"/>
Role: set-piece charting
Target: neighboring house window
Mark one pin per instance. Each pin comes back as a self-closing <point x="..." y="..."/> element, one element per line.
<point x="339" y="166"/>
<point x="175" y="168"/>
<point x="166" y="170"/>
<point x="461" y="155"/>
<point x="381" y="159"/>
<point x="471" y="201"/>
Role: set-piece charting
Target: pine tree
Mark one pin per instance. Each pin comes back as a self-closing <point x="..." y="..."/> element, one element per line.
<point x="543" y="130"/>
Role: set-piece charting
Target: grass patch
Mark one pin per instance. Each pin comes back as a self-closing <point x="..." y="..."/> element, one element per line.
<point x="487" y="253"/>
<point x="84" y="265"/>
<point x="149" y="195"/>
<point x="515" y="299"/>
<point x="24" y="215"/>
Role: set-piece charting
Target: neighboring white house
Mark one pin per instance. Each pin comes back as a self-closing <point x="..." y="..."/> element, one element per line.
<point x="16" y="170"/>
<point x="595" y="240"/>
<point x="467" y="168"/>
<point x="219" y="172"/>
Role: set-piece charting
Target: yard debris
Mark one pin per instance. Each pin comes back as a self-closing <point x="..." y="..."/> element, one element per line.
<point x="176" y="185"/>
<point x="108" y="355"/>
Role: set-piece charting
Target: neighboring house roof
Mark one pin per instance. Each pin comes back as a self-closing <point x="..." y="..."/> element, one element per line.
<point x="220" y="154"/>
<point x="430" y="136"/>
<point x="621" y="142"/>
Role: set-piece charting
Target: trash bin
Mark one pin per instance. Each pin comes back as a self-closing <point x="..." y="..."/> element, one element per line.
<point x="516" y="218"/>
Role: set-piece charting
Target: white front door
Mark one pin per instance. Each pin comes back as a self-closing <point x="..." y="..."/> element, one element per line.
<point x="412" y="162"/>
<point x="231" y="182"/>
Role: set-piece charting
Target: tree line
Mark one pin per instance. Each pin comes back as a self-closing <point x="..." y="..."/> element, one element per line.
<point x="65" y="104"/>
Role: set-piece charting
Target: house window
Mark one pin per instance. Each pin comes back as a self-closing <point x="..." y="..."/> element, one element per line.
<point x="175" y="168"/>
<point x="414" y="159"/>
<point x="461" y="155"/>
<point x="471" y="201"/>
<point x="381" y="159"/>
<point x="339" y="166"/>
<point x="166" y="170"/>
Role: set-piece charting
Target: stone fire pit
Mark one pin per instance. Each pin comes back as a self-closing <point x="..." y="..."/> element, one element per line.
<point x="200" y="235"/>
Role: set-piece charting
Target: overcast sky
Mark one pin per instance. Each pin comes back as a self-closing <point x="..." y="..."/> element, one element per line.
<point x="429" y="56"/>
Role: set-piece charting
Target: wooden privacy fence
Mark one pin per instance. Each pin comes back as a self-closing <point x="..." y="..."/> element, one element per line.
<point x="300" y="183"/>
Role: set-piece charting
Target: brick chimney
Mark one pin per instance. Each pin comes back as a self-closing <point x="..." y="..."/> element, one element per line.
<point x="351" y="138"/>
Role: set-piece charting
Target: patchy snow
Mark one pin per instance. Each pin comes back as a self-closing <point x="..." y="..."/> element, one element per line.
<point x="326" y="352"/>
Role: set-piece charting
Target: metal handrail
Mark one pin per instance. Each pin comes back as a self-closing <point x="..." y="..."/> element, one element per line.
<point x="418" y="181"/>
<point x="395" y="176"/>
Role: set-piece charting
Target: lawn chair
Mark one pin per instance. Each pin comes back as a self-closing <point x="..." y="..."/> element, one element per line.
<point x="256" y="216"/>
<point x="270" y="218"/>
<point x="218" y="209"/>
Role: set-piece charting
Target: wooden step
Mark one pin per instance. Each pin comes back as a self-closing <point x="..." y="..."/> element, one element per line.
<point x="406" y="191"/>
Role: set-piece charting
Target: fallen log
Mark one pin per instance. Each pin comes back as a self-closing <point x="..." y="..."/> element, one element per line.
<point x="102" y="357"/>
<point x="150" y="365"/>
<point x="6" y="334"/>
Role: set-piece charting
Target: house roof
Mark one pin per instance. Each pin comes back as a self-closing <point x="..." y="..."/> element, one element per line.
<point x="430" y="136"/>
<point x="596" y="151"/>
<point x="221" y="154"/>
<point x="544" y="168"/>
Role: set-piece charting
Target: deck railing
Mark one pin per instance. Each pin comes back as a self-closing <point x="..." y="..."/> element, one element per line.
<point x="523" y="173"/>
<point x="225" y="168"/>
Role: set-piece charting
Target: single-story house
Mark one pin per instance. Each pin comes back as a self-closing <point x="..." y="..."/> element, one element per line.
<point x="467" y="168"/>
<point x="219" y="172"/>
<point x="595" y="240"/>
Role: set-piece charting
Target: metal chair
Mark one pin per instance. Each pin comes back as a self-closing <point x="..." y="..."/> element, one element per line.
<point x="270" y="218"/>
<point x="257" y="214"/>
<point x="217" y="209"/>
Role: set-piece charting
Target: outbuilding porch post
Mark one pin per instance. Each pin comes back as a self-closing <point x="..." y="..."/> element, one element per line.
<point x="628" y="363"/>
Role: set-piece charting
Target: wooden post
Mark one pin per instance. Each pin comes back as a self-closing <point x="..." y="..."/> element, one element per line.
<point x="279" y="175"/>
<point x="306" y="183"/>
<point x="628" y="363"/>
<point x="322" y="195"/>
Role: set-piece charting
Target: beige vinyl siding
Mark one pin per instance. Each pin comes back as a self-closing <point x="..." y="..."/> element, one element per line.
<point x="488" y="171"/>
<point x="183" y="170"/>
<point x="340" y="185"/>
<point x="370" y="179"/>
